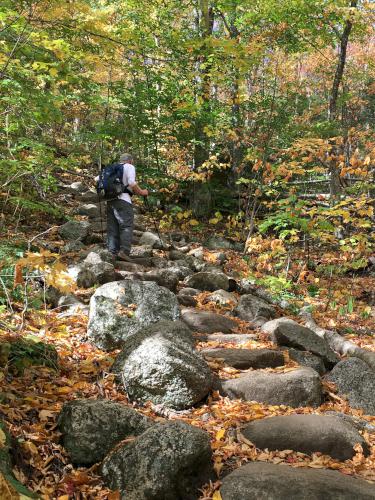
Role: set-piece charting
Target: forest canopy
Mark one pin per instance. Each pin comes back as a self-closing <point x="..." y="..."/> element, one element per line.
<point x="263" y="109"/>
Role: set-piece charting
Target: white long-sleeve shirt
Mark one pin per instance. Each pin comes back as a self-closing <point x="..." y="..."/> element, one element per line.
<point x="129" y="180"/>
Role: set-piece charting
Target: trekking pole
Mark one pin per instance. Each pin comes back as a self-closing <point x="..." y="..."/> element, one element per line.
<point x="147" y="203"/>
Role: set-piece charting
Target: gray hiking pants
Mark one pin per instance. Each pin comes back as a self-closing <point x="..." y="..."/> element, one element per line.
<point x="120" y="221"/>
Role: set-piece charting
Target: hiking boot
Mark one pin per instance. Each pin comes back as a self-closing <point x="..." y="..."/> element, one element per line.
<point x="125" y="257"/>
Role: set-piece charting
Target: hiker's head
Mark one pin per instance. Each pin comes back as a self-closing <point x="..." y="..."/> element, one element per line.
<point x="126" y="158"/>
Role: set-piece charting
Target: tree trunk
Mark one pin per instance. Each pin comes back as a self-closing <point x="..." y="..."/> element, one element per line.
<point x="199" y="192"/>
<point x="335" y="184"/>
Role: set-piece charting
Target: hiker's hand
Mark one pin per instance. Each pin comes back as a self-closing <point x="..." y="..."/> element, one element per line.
<point x="144" y="192"/>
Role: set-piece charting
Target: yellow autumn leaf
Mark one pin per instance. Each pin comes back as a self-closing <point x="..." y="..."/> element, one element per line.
<point x="214" y="221"/>
<point x="217" y="495"/>
<point x="53" y="72"/>
<point x="220" y="434"/>
<point x="194" y="222"/>
<point x="3" y="438"/>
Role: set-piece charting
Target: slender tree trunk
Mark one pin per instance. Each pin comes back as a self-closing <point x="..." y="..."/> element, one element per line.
<point x="201" y="198"/>
<point x="335" y="183"/>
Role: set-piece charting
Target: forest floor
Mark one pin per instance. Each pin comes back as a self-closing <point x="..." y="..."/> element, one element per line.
<point x="32" y="400"/>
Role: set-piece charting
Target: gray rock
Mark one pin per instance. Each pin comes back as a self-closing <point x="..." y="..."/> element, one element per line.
<point x="159" y="364"/>
<point x="170" y="461"/>
<point x="99" y="254"/>
<point x="92" y="259"/>
<point x="73" y="246"/>
<point x="90" y="210"/>
<point x="77" y="187"/>
<point x="74" y="230"/>
<point x="221" y="258"/>
<point x="89" y="197"/>
<point x="187" y="300"/>
<point x="242" y="359"/>
<point x="196" y="265"/>
<point x="207" y="322"/>
<point x="151" y="239"/>
<point x="176" y="255"/>
<point x="270" y="326"/>
<point x="355" y="380"/>
<point x="141" y="251"/>
<point x="159" y="262"/>
<point x="198" y="253"/>
<point x="264" y="481"/>
<point x="82" y="276"/>
<point x="300" y="387"/>
<point x="218" y="242"/>
<point x="163" y="277"/>
<point x="182" y="271"/>
<point x="121" y="308"/>
<point x="307" y="434"/>
<point x="71" y="306"/>
<point x="252" y="308"/>
<point x="304" y="339"/>
<point x="91" y="428"/>
<point x="358" y="423"/>
<point x="235" y="338"/>
<point x="223" y="298"/>
<point x="208" y="281"/>
<point x="305" y="358"/>
<point x="189" y="291"/>
<point x="104" y="272"/>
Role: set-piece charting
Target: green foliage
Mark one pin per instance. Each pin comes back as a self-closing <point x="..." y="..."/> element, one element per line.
<point x="29" y="351"/>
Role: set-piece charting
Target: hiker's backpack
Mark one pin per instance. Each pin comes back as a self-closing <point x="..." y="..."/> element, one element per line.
<point x="110" y="185"/>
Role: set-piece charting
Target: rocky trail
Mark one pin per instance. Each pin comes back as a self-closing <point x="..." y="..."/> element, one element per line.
<point x="173" y="377"/>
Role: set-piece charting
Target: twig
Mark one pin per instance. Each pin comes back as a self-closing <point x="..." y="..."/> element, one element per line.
<point x="6" y="294"/>
<point x="37" y="236"/>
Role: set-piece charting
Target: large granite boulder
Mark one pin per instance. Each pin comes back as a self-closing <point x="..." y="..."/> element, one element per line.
<point x="297" y="336"/>
<point x="75" y="230"/>
<point x="168" y="462"/>
<point x="121" y="308"/>
<point x="266" y="481"/>
<point x="355" y="380"/>
<point x="91" y="428"/>
<point x="208" y="281"/>
<point x="207" y="322"/>
<point x="159" y="364"/>
<point x="307" y="434"/>
<point x="252" y="308"/>
<point x="242" y="359"/>
<point x="300" y="387"/>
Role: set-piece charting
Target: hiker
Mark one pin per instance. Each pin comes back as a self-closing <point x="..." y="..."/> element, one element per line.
<point x="120" y="215"/>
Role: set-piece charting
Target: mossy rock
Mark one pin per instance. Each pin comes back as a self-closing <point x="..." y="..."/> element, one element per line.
<point x="29" y="351"/>
<point x="10" y="487"/>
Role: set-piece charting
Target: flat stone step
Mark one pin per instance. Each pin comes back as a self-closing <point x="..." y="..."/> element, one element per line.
<point x="307" y="434"/>
<point x="207" y="322"/>
<point x="235" y="338"/>
<point x="242" y="359"/>
<point x="300" y="387"/>
<point x="265" y="481"/>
